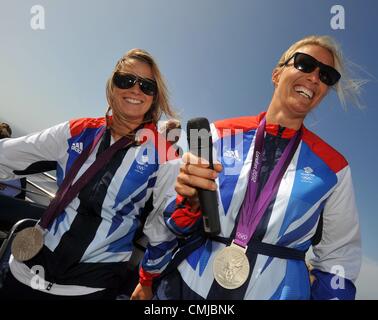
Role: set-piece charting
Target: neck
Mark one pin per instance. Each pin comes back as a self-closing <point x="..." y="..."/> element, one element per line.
<point x="283" y="118"/>
<point x="120" y="128"/>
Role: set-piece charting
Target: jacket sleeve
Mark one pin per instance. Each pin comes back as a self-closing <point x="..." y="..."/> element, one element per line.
<point x="183" y="222"/>
<point x="162" y="241"/>
<point x="17" y="154"/>
<point x="337" y="260"/>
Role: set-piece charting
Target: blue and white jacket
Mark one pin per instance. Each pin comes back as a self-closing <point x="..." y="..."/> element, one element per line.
<point x="90" y="242"/>
<point x="317" y="180"/>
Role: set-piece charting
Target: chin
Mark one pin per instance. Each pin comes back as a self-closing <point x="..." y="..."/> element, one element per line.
<point x="301" y="110"/>
<point x="135" y="119"/>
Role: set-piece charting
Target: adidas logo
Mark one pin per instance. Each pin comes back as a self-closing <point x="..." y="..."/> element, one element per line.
<point x="77" y="147"/>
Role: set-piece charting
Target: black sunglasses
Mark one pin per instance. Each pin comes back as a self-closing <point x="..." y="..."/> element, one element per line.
<point x="128" y="80"/>
<point x="307" y="64"/>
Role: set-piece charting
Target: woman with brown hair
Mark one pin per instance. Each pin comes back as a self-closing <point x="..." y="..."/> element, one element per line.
<point x="110" y="172"/>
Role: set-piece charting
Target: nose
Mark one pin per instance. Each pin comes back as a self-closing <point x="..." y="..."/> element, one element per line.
<point x="136" y="89"/>
<point x="314" y="76"/>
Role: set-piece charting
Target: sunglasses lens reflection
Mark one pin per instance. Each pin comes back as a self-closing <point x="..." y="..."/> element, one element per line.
<point x="148" y="87"/>
<point x="124" y="81"/>
<point x="304" y="63"/>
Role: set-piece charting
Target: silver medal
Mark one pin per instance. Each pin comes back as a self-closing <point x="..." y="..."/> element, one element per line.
<point x="27" y="243"/>
<point x="231" y="267"/>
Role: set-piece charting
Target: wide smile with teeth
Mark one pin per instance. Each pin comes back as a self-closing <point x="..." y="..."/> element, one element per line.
<point x="303" y="91"/>
<point x="133" y="101"/>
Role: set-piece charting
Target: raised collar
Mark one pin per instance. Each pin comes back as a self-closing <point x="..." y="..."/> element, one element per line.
<point x="277" y="130"/>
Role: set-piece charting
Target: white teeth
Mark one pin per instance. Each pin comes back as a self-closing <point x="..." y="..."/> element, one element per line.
<point x="304" y="92"/>
<point x="304" y="95"/>
<point x="133" y="101"/>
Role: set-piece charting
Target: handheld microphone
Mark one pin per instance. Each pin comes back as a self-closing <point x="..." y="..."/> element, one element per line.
<point x="201" y="144"/>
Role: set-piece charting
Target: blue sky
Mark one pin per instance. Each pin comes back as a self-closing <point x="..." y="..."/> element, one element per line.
<point x="217" y="57"/>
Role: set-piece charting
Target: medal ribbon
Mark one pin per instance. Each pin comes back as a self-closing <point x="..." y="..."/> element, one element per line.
<point x="68" y="191"/>
<point x="253" y="209"/>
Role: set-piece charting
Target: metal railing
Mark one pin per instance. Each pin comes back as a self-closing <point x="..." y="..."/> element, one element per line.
<point x="41" y="188"/>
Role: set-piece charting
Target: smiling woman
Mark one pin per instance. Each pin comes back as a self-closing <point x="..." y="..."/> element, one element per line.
<point x="136" y="92"/>
<point x="336" y="74"/>
<point x="86" y="236"/>
<point x="297" y="91"/>
<point x="130" y="100"/>
<point x="291" y="191"/>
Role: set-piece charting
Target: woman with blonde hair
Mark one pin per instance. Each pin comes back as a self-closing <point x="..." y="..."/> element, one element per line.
<point x="288" y="190"/>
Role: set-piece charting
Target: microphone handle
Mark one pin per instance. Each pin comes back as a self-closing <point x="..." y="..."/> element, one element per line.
<point x="209" y="200"/>
<point x="210" y="215"/>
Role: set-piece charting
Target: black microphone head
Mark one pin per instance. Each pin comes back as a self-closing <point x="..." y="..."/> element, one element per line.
<point x="199" y="138"/>
<point x="198" y="123"/>
<point x="197" y="129"/>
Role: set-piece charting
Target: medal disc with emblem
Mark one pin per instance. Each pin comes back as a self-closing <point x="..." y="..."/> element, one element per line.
<point x="231" y="267"/>
<point x="27" y="243"/>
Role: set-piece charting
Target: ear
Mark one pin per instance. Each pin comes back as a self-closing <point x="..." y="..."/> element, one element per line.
<point x="276" y="74"/>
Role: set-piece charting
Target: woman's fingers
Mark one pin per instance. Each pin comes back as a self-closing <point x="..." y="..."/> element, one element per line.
<point x="198" y="171"/>
<point x="195" y="173"/>
<point x="197" y="176"/>
<point x="187" y="183"/>
<point x="190" y="158"/>
<point x="185" y="190"/>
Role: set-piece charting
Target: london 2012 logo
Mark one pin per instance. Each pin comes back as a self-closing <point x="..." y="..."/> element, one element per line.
<point x="307" y="175"/>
